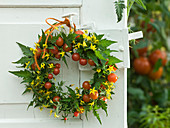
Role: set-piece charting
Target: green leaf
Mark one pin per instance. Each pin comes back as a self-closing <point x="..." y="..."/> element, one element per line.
<point x="99" y="55"/>
<point x="108" y="51"/>
<point x="139" y="2"/>
<point x="120" y="6"/>
<point x="21" y="73"/>
<point x="157" y="65"/>
<point x="30" y="104"/>
<point x="103" y="105"/>
<point x="92" y="56"/>
<point x="26" y="50"/>
<point x="64" y="59"/>
<point x="23" y="60"/>
<point x="105" y="43"/>
<point x="97" y="116"/>
<point x="113" y="60"/>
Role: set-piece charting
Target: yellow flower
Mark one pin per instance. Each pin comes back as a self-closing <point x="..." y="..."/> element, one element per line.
<point x="57" y="28"/>
<point x="47" y="97"/>
<point x="73" y="42"/>
<point x="71" y="30"/>
<point x="51" y="101"/>
<point x="62" y="26"/>
<point x="47" y="55"/>
<point x="32" y="83"/>
<point x="47" y="32"/>
<point x="91" y="103"/>
<point x="45" y="45"/>
<point x="78" y="95"/>
<point x="55" y="115"/>
<point x="51" y="111"/>
<point x="51" y="65"/>
<point x="54" y="79"/>
<point x="29" y="88"/>
<point x="96" y="41"/>
<point x="78" y="45"/>
<point x="77" y="88"/>
<point x="34" y="51"/>
<point x="31" y="49"/>
<point x="84" y="36"/>
<point x="82" y="102"/>
<point x="93" y="47"/>
<point x="84" y="44"/>
<point x="37" y="45"/>
<point x="27" y="64"/>
<point x="93" y="91"/>
<point x="86" y="31"/>
<point x="41" y="91"/>
<point x="62" y="53"/>
<point x="111" y="69"/>
<point x="42" y="65"/>
<point x="38" y="77"/>
<point x="88" y="38"/>
<point x="98" y="70"/>
<point x="93" y="37"/>
<point x="71" y="85"/>
<point x="45" y="106"/>
<point x="38" y="72"/>
<point x="41" y="108"/>
<point x="48" y="92"/>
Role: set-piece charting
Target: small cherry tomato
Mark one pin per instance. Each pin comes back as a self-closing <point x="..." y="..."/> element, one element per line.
<point x="76" y="56"/>
<point x="66" y="48"/>
<point x="38" y="52"/>
<point x="54" y="51"/>
<point x="56" y="71"/>
<point x="50" y="76"/>
<point x="156" y="75"/>
<point x="83" y="61"/>
<point x="112" y="77"/>
<point x="86" y="85"/>
<point x="65" y="118"/>
<point x="76" y="113"/>
<point x="91" y="62"/>
<point x="103" y="98"/>
<point x="94" y="96"/>
<point x="59" y="42"/>
<point x="33" y="66"/>
<point x="57" y="65"/>
<point x="56" y="98"/>
<point x="47" y="85"/>
<point x="57" y="55"/>
<point x="142" y="65"/>
<point x="86" y="98"/>
<point x="79" y="32"/>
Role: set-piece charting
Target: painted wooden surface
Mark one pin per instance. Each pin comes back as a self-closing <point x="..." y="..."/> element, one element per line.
<point x="22" y="21"/>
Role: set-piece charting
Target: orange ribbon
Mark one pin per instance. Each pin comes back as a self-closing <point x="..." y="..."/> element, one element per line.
<point x="66" y="22"/>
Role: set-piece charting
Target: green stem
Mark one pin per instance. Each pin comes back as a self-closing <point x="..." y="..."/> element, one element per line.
<point x="129" y="6"/>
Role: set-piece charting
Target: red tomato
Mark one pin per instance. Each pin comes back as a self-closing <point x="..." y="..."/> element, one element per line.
<point x="91" y="62"/>
<point x="50" y="76"/>
<point x="56" y="98"/>
<point x="54" y="51"/>
<point x="79" y="32"/>
<point x="54" y="107"/>
<point x="57" y="65"/>
<point x="38" y="53"/>
<point x="142" y="65"/>
<point x="33" y="66"/>
<point x="66" y="48"/>
<point x="56" y="71"/>
<point x="47" y="85"/>
<point x="86" y="98"/>
<point x="65" y="118"/>
<point x="83" y="61"/>
<point x="76" y="114"/>
<point x="86" y="85"/>
<point x="156" y="55"/>
<point x="94" y="96"/>
<point x="103" y="98"/>
<point x="156" y="75"/>
<point x="59" y="42"/>
<point x="57" y="55"/>
<point x="112" y="77"/>
<point x="76" y="56"/>
<point x="142" y="51"/>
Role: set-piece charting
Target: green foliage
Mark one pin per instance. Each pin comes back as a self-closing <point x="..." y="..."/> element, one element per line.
<point x="120" y="6"/>
<point x="22" y="73"/>
<point x="26" y="50"/>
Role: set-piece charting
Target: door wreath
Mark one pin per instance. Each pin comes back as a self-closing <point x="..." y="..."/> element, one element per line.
<point x="40" y="69"/>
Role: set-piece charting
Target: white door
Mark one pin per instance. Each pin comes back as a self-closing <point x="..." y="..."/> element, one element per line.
<point x="22" y="21"/>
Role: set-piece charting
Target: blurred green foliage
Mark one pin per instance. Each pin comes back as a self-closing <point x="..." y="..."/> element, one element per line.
<point x="149" y="100"/>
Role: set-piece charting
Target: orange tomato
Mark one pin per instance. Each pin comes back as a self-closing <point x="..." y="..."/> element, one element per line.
<point x="156" y="75"/>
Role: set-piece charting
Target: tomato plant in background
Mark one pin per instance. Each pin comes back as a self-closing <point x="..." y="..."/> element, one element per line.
<point x="149" y="75"/>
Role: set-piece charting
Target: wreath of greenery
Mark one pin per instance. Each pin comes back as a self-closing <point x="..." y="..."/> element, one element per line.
<point x="84" y="47"/>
